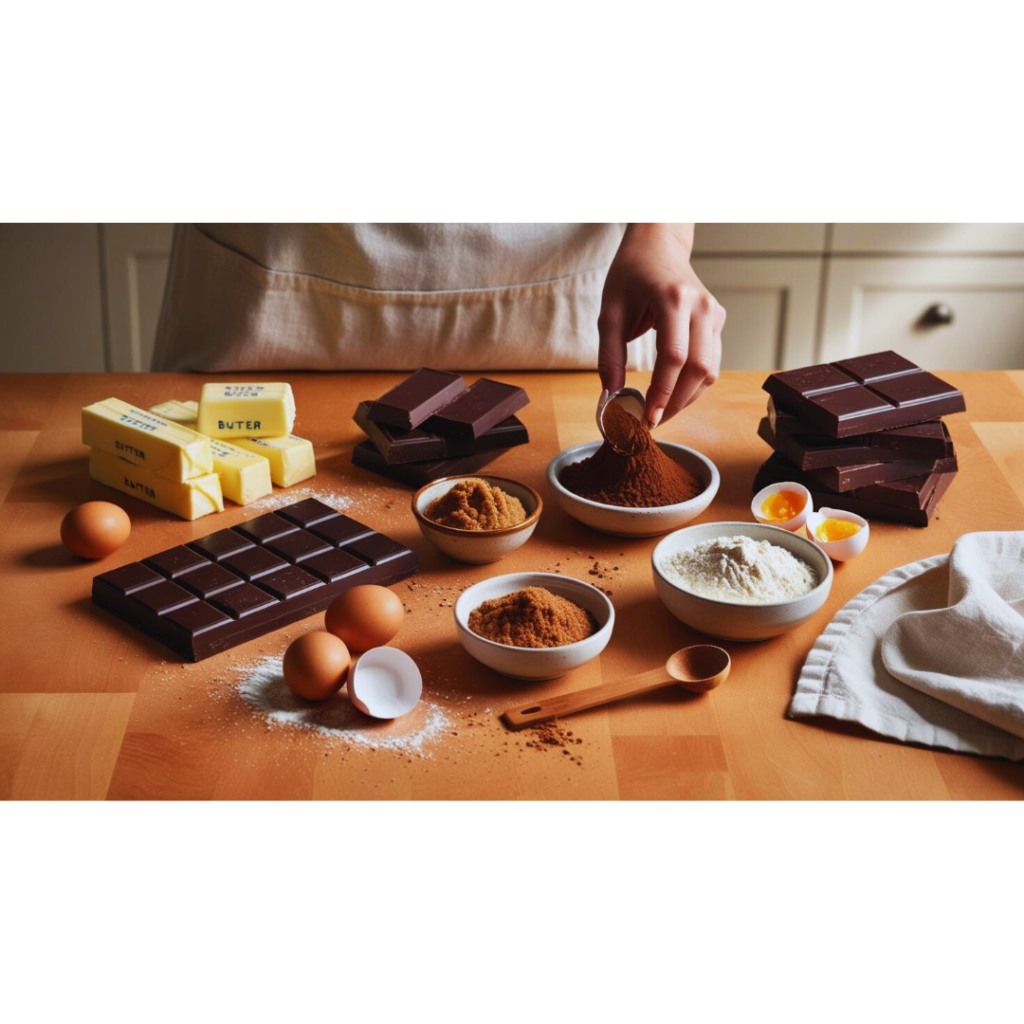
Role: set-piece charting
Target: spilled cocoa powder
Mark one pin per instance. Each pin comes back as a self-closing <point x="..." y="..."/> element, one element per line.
<point x="636" y="475"/>
<point x="474" y="504"/>
<point x="532" y="617"/>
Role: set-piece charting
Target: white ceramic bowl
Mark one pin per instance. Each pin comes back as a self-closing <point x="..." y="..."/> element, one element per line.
<point x="535" y="662"/>
<point x="635" y="522"/>
<point x="477" y="546"/>
<point x="795" y="524"/>
<point x="727" y="620"/>
<point x="839" y="550"/>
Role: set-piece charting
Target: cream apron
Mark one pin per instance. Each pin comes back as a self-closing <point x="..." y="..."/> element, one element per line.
<point x="387" y="297"/>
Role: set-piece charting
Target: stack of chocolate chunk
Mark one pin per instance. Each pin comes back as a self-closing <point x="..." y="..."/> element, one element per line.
<point x="432" y="425"/>
<point x="864" y="435"/>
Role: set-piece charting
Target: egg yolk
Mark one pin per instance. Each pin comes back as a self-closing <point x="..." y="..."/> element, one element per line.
<point x="782" y="506"/>
<point x="837" y="529"/>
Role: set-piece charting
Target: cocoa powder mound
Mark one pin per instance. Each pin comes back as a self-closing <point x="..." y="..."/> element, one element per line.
<point x="533" y="617"/>
<point x="474" y="504"/>
<point x="638" y="475"/>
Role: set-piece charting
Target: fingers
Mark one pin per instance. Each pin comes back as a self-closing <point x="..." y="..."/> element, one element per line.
<point x="673" y="343"/>
<point x="704" y="359"/>
<point x="611" y="358"/>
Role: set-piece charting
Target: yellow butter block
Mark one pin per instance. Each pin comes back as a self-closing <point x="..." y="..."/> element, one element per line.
<point x="153" y="442"/>
<point x="178" y="412"/>
<point x="244" y="475"/>
<point x="189" y="499"/>
<point x="246" y="410"/>
<point x="291" y="458"/>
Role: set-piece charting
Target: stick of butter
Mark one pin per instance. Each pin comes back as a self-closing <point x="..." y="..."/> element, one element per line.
<point x="246" y="410"/>
<point x="189" y="499"/>
<point x="178" y="412"/>
<point x="163" y="448"/>
<point x="244" y="476"/>
<point x="291" y="457"/>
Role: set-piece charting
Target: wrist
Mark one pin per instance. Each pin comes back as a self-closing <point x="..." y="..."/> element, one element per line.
<point x="680" y="235"/>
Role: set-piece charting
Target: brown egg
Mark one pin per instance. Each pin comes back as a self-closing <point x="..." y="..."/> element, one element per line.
<point x="95" y="529"/>
<point x="316" y="665"/>
<point x="365" y="617"/>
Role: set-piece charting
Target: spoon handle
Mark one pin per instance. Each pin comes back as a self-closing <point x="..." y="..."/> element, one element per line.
<point x="594" y="696"/>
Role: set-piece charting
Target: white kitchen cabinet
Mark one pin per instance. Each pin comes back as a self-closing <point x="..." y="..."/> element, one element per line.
<point x="927" y="239"/>
<point x="874" y="304"/>
<point x="771" y="307"/>
<point x="135" y="258"/>
<point x="745" y="239"/>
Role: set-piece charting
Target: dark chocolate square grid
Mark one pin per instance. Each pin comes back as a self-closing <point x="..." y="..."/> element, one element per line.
<point x="233" y="585"/>
<point x="869" y="393"/>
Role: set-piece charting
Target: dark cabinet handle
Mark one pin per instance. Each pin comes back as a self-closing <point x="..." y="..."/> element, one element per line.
<point x="937" y="315"/>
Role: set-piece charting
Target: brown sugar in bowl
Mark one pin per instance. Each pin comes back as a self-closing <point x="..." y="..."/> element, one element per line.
<point x="477" y="546"/>
<point x="535" y="663"/>
<point x="626" y="521"/>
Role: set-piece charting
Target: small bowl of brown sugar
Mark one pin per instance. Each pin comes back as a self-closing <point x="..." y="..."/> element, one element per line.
<point x="477" y="519"/>
<point x="534" y="625"/>
<point x="630" y="484"/>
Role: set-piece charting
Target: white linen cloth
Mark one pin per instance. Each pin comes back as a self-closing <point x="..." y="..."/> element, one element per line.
<point x="931" y="653"/>
<point x="387" y="297"/>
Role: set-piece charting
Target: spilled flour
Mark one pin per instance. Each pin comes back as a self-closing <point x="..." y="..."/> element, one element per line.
<point x="261" y="685"/>
<point x="336" y="499"/>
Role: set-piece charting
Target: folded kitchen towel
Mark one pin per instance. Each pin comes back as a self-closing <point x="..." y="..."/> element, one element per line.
<point x="931" y="652"/>
<point x="970" y="653"/>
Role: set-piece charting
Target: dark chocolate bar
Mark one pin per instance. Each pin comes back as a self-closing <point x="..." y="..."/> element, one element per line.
<point x="842" y="467"/>
<point x="481" y="406"/>
<point x="416" y="474"/>
<point x="902" y="501"/>
<point x="420" y="395"/>
<point x="864" y="394"/>
<point x="219" y="591"/>
<point x="401" y="446"/>
<point x="816" y="451"/>
<point x="923" y="440"/>
<point x="851" y="478"/>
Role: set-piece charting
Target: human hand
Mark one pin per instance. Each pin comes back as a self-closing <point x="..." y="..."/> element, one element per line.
<point x="651" y="284"/>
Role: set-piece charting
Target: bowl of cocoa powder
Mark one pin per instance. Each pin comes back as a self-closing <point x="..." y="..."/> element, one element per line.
<point x="632" y="485"/>
<point x="476" y="519"/>
<point x="534" y="625"/>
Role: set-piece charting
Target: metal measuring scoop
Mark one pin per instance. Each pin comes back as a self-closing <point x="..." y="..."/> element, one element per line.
<point x="628" y="399"/>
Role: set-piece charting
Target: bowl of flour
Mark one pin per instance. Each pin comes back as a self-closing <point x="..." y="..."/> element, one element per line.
<point x="740" y="581"/>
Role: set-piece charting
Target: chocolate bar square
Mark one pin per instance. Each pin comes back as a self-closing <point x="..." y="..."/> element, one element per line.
<point x="421" y="394"/>
<point x="481" y="406"/>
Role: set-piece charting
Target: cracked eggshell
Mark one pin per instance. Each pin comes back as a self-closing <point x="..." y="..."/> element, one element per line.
<point x="839" y="550"/>
<point x="385" y="683"/>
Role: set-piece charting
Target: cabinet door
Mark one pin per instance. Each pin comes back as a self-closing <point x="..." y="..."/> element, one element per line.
<point x="747" y="239"/>
<point x="942" y="313"/>
<point x="135" y="261"/>
<point x="771" y="307"/>
<point x="927" y="239"/>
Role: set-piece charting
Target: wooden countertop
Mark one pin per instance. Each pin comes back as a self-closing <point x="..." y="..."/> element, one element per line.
<point x="91" y="709"/>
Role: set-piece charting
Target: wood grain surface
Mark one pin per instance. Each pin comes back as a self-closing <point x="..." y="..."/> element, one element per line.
<point x="90" y="709"/>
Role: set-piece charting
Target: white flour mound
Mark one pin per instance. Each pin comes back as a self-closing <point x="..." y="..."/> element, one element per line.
<point x="741" y="570"/>
<point x="261" y="685"/>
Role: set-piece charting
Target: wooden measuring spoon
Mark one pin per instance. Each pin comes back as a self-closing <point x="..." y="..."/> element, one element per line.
<point x="699" y="668"/>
